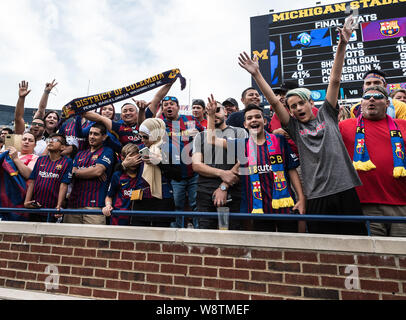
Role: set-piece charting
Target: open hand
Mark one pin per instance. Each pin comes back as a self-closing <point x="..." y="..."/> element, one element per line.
<point x="251" y="65"/>
<point x="347" y="30"/>
<point x="23" y="89"/>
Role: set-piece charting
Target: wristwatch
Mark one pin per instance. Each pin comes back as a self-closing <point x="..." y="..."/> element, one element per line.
<point x="223" y="187"/>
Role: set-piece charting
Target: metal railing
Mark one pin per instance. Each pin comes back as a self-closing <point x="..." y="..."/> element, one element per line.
<point x="214" y="215"/>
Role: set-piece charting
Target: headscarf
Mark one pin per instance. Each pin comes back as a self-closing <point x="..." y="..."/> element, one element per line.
<point x="155" y="128"/>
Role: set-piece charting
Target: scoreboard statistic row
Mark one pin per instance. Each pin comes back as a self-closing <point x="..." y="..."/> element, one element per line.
<point x="300" y="45"/>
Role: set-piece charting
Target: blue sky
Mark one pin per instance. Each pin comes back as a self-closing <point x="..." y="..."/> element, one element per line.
<point x="114" y="43"/>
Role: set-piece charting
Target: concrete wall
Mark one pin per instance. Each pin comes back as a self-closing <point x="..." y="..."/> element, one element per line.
<point x="139" y="263"/>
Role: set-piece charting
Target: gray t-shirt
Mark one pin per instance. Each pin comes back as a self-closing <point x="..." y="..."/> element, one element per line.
<point x="326" y="166"/>
<point x="217" y="157"/>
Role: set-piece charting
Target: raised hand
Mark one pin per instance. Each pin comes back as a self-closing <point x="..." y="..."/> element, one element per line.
<point x="50" y="86"/>
<point x="347" y="30"/>
<point x="251" y="65"/>
<point x="211" y="107"/>
<point x="23" y="89"/>
<point x="141" y="104"/>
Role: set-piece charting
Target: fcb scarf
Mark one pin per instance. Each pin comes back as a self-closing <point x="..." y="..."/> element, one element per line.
<point x="362" y="161"/>
<point x="280" y="193"/>
<point x="12" y="184"/>
<point x="82" y="105"/>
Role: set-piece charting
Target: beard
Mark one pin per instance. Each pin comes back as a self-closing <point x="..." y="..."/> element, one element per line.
<point x="219" y="124"/>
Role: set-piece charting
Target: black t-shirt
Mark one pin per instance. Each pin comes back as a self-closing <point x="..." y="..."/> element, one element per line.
<point x="219" y="158"/>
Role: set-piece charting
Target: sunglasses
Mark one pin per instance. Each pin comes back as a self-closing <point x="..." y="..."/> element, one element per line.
<point x="171" y="99"/>
<point x="55" y="140"/>
<point x="376" y="96"/>
<point x="37" y="124"/>
<point x="144" y="137"/>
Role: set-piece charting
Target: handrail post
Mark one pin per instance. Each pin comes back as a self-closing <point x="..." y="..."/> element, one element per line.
<point x="369" y="228"/>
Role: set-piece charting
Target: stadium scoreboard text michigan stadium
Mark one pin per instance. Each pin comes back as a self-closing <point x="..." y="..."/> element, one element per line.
<point x="300" y="45"/>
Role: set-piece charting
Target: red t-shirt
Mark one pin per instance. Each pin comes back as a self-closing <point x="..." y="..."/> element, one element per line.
<point x="379" y="185"/>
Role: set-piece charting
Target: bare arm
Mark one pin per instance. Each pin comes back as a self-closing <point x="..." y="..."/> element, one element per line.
<point x="336" y="72"/>
<point x="211" y="125"/>
<point x="252" y="66"/>
<point x="19" y="124"/>
<point x="109" y="206"/>
<point x="90" y="173"/>
<point x="227" y="176"/>
<point x="44" y="100"/>
<point x="154" y="104"/>
<point x="28" y="196"/>
<point x="63" y="189"/>
<point x="95" y="117"/>
<point x="297" y="185"/>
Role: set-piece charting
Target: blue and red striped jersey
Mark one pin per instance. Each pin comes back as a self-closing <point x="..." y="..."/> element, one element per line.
<point x="181" y="142"/>
<point x="265" y="174"/>
<point x="70" y="132"/>
<point x="126" y="133"/>
<point x="47" y="177"/>
<point x="91" y="192"/>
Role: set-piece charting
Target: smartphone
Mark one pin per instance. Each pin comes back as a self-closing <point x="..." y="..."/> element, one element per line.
<point x="144" y="152"/>
<point x="13" y="140"/>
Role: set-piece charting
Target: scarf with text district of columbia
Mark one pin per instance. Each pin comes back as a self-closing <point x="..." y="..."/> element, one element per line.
<point x="82" y="105"/>
<point x="280" y="193"/>
<point x="363" y="162"/>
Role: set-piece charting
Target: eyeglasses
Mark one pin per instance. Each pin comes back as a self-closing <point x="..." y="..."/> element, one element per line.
<point x="171" y="99"/>
<point x="376" y="96"/>
<point x="37" y="124"/>
<point x="55" y="140"/>
<point x="144" y="137"/>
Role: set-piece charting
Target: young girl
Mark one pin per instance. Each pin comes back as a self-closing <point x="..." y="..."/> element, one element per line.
<point x="328" y="174"/>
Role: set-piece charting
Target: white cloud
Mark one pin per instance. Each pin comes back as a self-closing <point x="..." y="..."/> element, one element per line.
<point x="116" y="43"/>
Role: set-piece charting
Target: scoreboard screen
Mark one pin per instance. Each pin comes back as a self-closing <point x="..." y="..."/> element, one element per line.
<point x="300" y="45"/>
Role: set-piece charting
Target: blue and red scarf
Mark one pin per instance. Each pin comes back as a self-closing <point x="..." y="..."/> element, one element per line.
<point x="12" y="184"/>
<point x="362" y="160"/>
<point x="281" y="197"/>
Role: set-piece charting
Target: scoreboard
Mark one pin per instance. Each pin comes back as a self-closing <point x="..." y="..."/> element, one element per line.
<point x="300" y="45"/>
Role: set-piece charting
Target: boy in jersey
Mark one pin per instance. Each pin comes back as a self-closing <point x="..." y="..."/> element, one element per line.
<point x="328" y="174"/>
<point x="123" y="184"/>
<point x="91" y="174"/>
<point x="265" y="176"/>
<point x="48" y="182"/>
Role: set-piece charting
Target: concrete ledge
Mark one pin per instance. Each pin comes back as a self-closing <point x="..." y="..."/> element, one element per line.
<point x="373" y="245"/>
<point x="12" y="294"/>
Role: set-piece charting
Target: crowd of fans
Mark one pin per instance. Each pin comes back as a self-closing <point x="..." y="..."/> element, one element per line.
<point x="303" y="160"/>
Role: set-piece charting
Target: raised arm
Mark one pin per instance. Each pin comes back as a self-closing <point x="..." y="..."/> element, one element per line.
<point x="336" y="72"/>
<point x="211" y="125"/>
<point x="44" y="100"/>
<point x="19" y="124"/>
<point x="252" y="66"/>
<point x="142" y="106"/>
<point x="154" y="104"/>
<point x="95" y="117"/>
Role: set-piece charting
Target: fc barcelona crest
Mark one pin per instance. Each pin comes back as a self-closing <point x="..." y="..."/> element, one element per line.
<point x="361" y="146"/>
<point x="280" y="182"/>
<point x="256" y="191"/>
<point x="390" y="28"/>
<point x="59" y="167"/>
<point x="399" y="153"/>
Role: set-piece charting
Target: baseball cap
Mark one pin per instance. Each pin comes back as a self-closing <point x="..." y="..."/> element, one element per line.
<point x="285" y="87"/>
<point x="230" y="101"/>
<point x="199" y="102"/>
